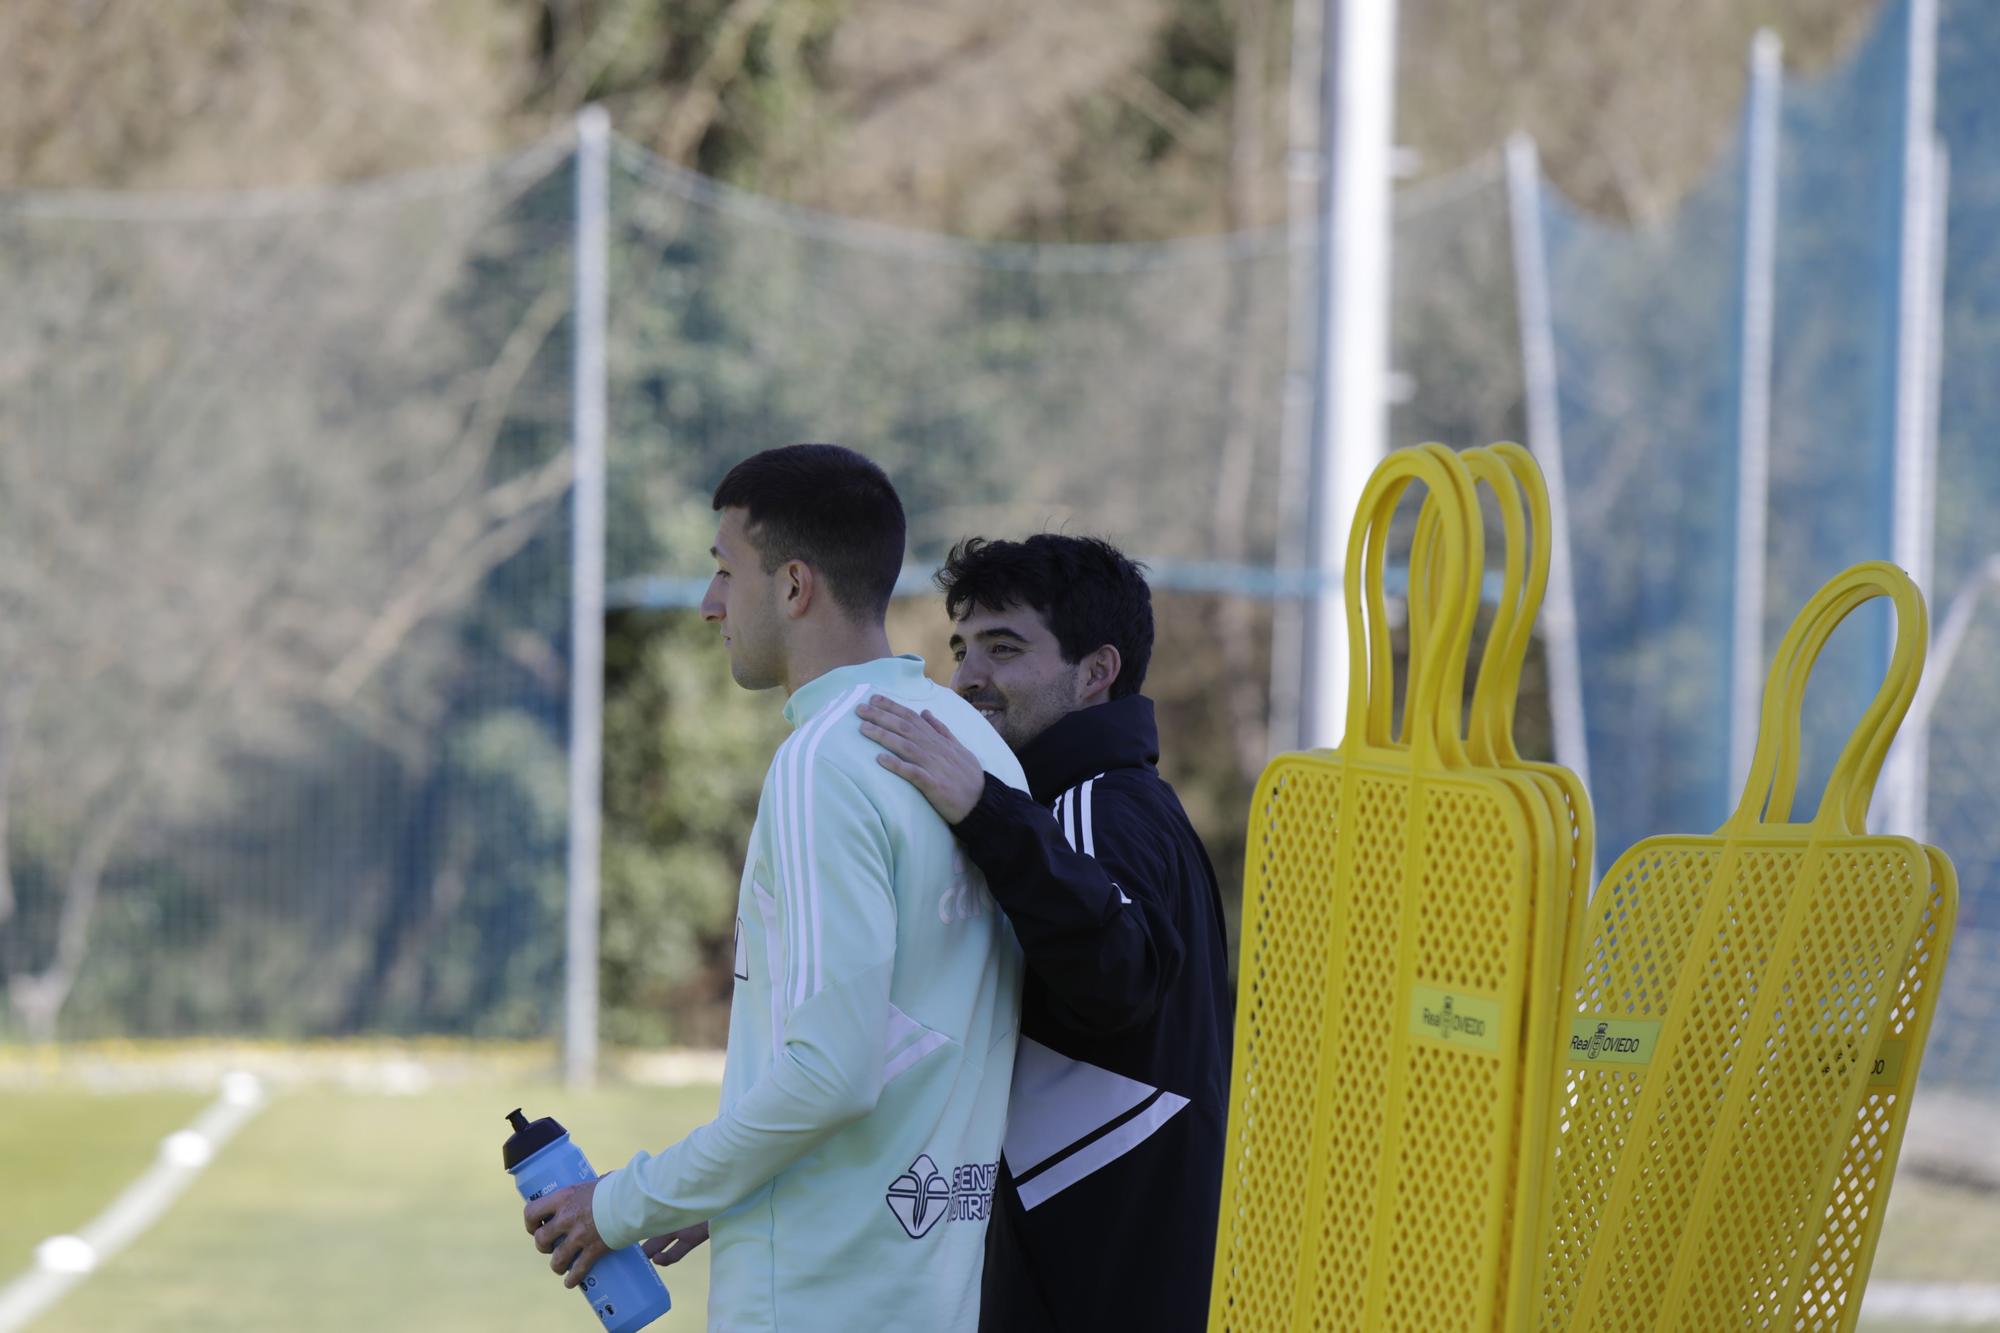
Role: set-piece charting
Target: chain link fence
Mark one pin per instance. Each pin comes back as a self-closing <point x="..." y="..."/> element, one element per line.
<point x="285" y="570"/>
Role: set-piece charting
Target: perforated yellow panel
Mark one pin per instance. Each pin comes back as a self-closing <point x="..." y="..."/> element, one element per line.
<point x="1830" y="1297"/>
<point x="1354" y="1028"/>
<point x="1650" y="903"/>
<point x="1438" y="1238"/>
<point x="1723" y="1146"/>
<point x="1295" y="830"/>
<point x="1377" y="1077"/>
<point x="1561" y="897"/>
<point x="1722" y="1159"/>
<point x="1825" y="1006"/>
<point x="1407" y="906"/>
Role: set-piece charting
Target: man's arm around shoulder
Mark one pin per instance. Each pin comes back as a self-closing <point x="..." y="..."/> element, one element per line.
<point x="1092" y="907"/>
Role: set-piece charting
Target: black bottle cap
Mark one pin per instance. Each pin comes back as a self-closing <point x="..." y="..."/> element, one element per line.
<point x="528" y="1139"/>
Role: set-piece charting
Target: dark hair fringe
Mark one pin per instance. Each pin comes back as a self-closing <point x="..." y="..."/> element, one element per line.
<point x="830" y="507"/>
<point x="1086" y="589"/>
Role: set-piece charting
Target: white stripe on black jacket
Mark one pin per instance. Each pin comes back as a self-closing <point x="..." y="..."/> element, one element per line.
<point x="1111" y="1178"/>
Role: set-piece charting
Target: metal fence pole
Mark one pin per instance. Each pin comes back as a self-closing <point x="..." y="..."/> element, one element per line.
<point x="586" y="689"/>
<point x="1305" y="221"/>
<point x="1917" y="289"/>
<point x="1753" y="404"/>
<point x="1354" y="397"/>
<point x="1538" y="366"/>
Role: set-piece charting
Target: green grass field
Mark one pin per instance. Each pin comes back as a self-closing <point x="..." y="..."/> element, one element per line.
<point x="336" y="1209"/>
<point x="331" y="1210"/>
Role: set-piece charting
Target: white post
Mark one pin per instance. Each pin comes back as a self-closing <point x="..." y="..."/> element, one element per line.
<point x="1538" y="368"/>
<point x="1305" y="170"/>
<point x="1354" y="403"/>
<point x="1904" y="778"/>
<point x="586" y="686"/>
<point x="1908" y="787"/>
<point x="1753" y="419"/>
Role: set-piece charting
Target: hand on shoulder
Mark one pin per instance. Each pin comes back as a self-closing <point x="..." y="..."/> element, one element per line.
<point x="920" y="749"/>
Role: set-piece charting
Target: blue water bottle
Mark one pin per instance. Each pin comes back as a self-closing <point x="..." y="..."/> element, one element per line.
<point x="623" y="1286"/>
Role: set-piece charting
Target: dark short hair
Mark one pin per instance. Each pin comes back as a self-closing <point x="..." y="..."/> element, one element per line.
<point x="1086" y="590"/>
<point x="829" y="507"/>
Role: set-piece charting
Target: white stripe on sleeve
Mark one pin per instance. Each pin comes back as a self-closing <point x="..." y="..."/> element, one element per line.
<point x="1084" y="821"/>
<point x="809" y="931"/>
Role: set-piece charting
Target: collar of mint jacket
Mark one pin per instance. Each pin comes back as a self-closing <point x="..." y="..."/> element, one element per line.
<point x="889" y="674"/>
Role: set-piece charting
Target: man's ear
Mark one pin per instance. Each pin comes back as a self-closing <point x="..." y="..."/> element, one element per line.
<point x="1100" y="672"/>
<point x="797" y="585"/>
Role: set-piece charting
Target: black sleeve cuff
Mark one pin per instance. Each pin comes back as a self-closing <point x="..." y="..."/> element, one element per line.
<point x="993" y="825"/>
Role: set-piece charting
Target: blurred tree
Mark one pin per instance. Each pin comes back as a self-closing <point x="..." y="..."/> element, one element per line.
<point x="261" y="627"/>
<point x="685" y="750"/>
<point x="224" y="534"/>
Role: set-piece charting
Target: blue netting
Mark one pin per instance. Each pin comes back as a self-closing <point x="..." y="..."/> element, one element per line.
<point x="1647" y="370"/>
<point x="1964" y="790"/>
<point x="1647" y="326"/>
<point x="1834" y="363"/>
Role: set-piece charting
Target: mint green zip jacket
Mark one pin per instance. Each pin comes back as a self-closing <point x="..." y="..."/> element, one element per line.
<point x="848" y="1176"/>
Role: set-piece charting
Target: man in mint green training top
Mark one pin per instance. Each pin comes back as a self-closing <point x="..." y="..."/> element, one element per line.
<point x="846" y="1181"/>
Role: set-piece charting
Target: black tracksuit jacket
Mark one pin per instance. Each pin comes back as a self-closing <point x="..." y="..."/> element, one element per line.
<point x="1104" y="1215"/>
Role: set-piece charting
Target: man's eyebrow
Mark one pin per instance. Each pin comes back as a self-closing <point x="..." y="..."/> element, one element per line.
<point x="1002" y="632"/>
<point x="717" y="554"/>
<point x="956" y="641"/>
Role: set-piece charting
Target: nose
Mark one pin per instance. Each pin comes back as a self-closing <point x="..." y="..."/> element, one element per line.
<point x="970" y="677"/>
<point x="711" y="604"/>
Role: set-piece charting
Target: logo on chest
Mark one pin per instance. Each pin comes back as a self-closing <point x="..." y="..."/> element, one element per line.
<point x="924" y="1196"/>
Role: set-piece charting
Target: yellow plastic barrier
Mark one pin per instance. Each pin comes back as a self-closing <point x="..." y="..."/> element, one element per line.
<point x="1562" y="889"/>
<point x="1830" y="1296"/>
<point x="1559" y="811"/>
<point x="1390" y="933"/>
<point x="1734" y="998"/>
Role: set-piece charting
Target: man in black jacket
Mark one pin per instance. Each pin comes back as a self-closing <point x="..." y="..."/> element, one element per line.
<point x="1104" y="1216"/>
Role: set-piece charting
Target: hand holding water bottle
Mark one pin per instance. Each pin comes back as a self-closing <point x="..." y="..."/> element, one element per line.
<point x="564" y="1229"/>
<point x="556" y="1179"/>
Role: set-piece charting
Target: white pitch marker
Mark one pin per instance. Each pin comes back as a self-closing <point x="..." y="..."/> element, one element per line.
<point x="63" y="1261"/>
<point x="1941" y="1303"/>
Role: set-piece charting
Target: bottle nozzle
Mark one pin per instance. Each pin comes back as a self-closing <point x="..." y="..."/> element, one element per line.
<point x="517" y="1120"/>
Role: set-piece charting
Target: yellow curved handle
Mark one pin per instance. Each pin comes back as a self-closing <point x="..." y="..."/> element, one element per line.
<point x="1513" y="653"/>
<point x="1370" y="677"/>
<point x="1445" y="710"/>
<point x="1767" y="793"/>
<point x="1490" y="732"/>
<point x="1784" y="721"/>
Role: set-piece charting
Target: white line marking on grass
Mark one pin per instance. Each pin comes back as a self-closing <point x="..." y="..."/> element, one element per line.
<point x="1941" y="1303"/>
<point x="63" y="1261"/>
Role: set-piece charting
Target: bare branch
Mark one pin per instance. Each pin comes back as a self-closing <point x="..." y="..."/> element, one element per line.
<point x="456" y="560"/>
<point x="593" y="55"/>
<point x="470" y="454"/>
<point x="1157" y="105"/>
<point x="694" y="114"/>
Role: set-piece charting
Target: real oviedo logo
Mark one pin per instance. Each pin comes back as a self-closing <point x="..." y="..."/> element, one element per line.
<point x="1602" y="1042"/>
<point x="923" y="1196"/>
<point x="1456" y="1018"/>
<point x="1612" y="1041"/>
<point x="1446" y="1023"/>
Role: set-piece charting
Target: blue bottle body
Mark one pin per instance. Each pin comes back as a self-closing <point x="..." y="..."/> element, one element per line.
<point x="623" y="1287"/>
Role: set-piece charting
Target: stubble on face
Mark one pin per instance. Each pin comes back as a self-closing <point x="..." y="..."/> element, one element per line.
<point x="1011" y="670"/>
